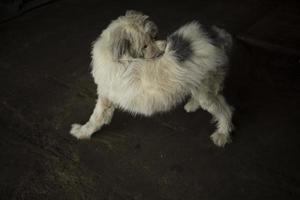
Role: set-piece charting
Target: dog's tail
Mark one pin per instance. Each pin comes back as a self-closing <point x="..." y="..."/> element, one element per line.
<point x="222" y="38"/>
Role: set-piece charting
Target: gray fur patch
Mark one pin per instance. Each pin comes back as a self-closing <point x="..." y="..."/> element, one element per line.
<point x="181" y="46"/>
<point x="120" y="47"/>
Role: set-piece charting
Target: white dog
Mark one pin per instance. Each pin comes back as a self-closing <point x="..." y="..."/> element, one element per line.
<point x="143" y="76"/>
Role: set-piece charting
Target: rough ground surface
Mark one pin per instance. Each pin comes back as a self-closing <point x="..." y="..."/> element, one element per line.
<point x="45" y="86"/>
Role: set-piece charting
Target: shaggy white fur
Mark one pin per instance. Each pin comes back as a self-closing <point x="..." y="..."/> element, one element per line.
<point x="143" y="76"/>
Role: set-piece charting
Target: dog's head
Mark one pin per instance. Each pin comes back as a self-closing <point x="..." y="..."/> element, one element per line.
<point x="133" y="36"/>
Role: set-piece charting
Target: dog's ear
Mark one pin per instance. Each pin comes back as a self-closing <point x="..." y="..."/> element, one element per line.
<point x="151" y="28"/>
<point x="120" y="43"/>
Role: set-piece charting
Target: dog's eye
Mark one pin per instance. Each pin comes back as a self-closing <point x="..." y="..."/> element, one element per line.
<point x="145" y="46"/>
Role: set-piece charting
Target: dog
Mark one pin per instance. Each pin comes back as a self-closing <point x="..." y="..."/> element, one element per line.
<point x="136" y="73"/>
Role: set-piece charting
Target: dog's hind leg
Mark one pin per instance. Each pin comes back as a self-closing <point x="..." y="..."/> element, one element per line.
<point x="222" y="114"/>
<point x="102" y="114"/>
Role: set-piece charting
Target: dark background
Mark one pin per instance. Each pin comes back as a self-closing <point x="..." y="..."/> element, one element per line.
<point x="45" y="85"/>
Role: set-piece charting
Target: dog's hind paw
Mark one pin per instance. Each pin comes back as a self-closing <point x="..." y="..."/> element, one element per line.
<point x="220" y="139"/>
<point x="191" y="106"/>
<point x="79" y="131"/>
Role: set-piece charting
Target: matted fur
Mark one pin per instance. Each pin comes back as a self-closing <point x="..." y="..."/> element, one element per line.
<point x="135" y="73"/>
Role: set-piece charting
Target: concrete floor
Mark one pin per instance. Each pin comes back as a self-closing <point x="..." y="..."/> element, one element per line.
<point x="46" y="86"/>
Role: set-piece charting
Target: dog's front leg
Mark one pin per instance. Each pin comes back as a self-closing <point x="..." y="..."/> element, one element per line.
<point x="102" y="114"/>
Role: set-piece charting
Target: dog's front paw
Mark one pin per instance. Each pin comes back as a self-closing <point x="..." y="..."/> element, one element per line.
<point x="80" y="132"/>
<point x="220" y="139"/>
<point x="161" y="44"/>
